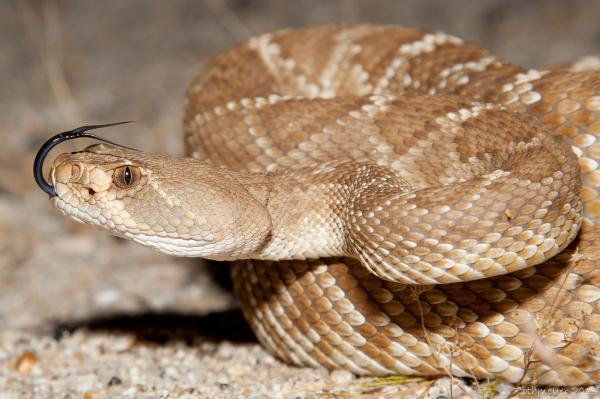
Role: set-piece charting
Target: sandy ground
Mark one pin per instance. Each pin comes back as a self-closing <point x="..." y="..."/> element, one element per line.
<point x="85" y="315"/>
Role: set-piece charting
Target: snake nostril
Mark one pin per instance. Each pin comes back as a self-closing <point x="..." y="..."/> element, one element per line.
<point x="91" y="191"/>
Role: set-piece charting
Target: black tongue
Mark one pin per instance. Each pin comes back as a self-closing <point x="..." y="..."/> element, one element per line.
<point x="38" y="163"/>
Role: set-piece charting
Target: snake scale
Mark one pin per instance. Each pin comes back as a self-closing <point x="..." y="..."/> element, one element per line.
<point x="392" y="201"/>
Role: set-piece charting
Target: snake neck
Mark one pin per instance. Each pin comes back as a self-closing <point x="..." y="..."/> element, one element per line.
<point x="309" y="206"/>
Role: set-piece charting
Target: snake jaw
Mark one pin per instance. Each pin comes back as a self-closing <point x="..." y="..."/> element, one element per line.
<point x="69" y="204"/>
<point x="61" y="205"/>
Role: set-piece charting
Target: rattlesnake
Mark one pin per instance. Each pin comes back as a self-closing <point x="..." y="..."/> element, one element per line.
<point x="400" y="193"/>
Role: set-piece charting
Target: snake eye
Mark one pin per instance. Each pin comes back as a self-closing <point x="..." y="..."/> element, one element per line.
<point x="126" y="176"/>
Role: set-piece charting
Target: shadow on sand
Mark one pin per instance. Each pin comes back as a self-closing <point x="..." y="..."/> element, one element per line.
<point x="168" y="327"/>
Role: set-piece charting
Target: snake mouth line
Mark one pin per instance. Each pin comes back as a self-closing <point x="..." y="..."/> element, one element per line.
<point x="82" y="131"/>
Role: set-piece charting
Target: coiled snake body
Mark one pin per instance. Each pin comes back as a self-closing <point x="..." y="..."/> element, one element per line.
<point x="399" y="193"/>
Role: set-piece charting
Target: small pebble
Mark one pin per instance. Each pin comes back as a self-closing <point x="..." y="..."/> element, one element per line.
<point x="341" y="376"/>
<point x="504" y="389"/>
<point x="26" y="362"/>
<point x="223" y="380"/>
<point x="107" y="297"/>
<point x="389" y="389"/>
<point x="134" y="375"/>
<point x="114" y="380"/>
<point x="120" y="343"/>
<point x="225" y="351"/>
<point x="61" y="331"/>
<point x="172" y="373"/>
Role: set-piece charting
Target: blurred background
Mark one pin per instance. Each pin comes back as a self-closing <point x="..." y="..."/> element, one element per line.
<point x="65" y="63"/>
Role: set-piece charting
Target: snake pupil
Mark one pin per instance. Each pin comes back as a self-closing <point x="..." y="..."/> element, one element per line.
<point x="127" y="175"/>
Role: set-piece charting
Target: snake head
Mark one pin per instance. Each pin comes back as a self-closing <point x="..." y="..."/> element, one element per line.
<point x="179" y="206"/>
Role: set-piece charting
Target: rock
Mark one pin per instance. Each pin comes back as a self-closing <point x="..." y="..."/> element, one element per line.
<point x="107" y="297"/>
<point x="341" y="376"/>
<point x="114" y="380"/>
<point x="26" y="361"/>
